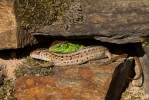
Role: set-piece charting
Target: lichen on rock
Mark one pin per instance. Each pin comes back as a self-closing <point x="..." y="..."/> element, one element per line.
<point x="33" y="14"/>
<point x="144" y="40"/>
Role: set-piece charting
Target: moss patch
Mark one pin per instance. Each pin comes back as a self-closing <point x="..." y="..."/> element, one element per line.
<point x="35" y="14"/>
<point x="31" y="67"/>
<point x="7" y="89"/>
<point x="145" y="40"/>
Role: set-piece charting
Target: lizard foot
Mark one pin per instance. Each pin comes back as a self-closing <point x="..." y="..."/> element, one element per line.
<point x="47" y="64"/>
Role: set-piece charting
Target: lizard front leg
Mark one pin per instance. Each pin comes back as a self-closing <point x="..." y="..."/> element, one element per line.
<point x="47" y="64"/>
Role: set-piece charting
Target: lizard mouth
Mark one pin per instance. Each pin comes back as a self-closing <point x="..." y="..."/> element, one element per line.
<point x="37" y="55"/>
<point x="34" y="54"/>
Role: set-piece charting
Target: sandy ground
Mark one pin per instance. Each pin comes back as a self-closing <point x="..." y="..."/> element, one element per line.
<point x="134" y="93"/>
<point x="10" y="66"/>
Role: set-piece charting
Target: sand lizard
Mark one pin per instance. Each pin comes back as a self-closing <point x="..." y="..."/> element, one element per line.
<point x="79" y="56"/>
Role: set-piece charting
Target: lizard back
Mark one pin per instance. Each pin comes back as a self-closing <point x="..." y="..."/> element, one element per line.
<point x="77" y="57"/>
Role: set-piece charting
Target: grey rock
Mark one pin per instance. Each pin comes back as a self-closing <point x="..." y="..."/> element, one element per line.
<point x="118" y="22"/>
<point x="114" y="22"/>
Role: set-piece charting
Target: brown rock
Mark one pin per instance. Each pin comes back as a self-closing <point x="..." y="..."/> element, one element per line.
<point x="11" y="36"/>
<point x="116" y="21"/>
<point x="83" y="82"/>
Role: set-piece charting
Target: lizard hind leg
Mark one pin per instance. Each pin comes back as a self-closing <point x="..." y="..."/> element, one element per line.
<point x="108" y="53"/>
<point x="47" y="64"/>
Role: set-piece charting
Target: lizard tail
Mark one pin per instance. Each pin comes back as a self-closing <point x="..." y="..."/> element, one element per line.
<point x="140" y="68"/>
<point x="124" y="56"/>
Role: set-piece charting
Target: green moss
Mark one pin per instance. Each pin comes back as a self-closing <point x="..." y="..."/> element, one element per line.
<point x="35" y="14"/>
<point x="7" y="90"/>
<point x="31" y="67"/>
<point x="145" y="40"/>
<point x="6" y="85"/>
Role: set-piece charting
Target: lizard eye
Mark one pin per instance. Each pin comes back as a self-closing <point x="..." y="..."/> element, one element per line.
<point x="38" y="52"/>
<point x="45" y="54"/>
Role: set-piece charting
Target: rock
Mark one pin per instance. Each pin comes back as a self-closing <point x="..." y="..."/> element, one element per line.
<point x="123" y="71"/>
<point x="114" y="22"/>
<point x="11" y="35"/>
<point x="80" y="82"/>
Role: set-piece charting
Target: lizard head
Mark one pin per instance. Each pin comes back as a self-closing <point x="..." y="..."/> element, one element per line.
<point x="40" y="54"/>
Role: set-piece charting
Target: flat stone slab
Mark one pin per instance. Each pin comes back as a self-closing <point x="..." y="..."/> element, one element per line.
<point x="81" y="82"/>
<point x="116" y="21"/>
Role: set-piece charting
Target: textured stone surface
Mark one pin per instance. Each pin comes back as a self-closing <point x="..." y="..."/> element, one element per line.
<point x="84" y="82"/>
<point x="11" y="36"/>
<point x="116" y="21"/>
<point x="8" y="25"/>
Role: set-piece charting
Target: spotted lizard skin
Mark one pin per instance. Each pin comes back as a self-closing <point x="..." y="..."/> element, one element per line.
<point x="77" y="57"/>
